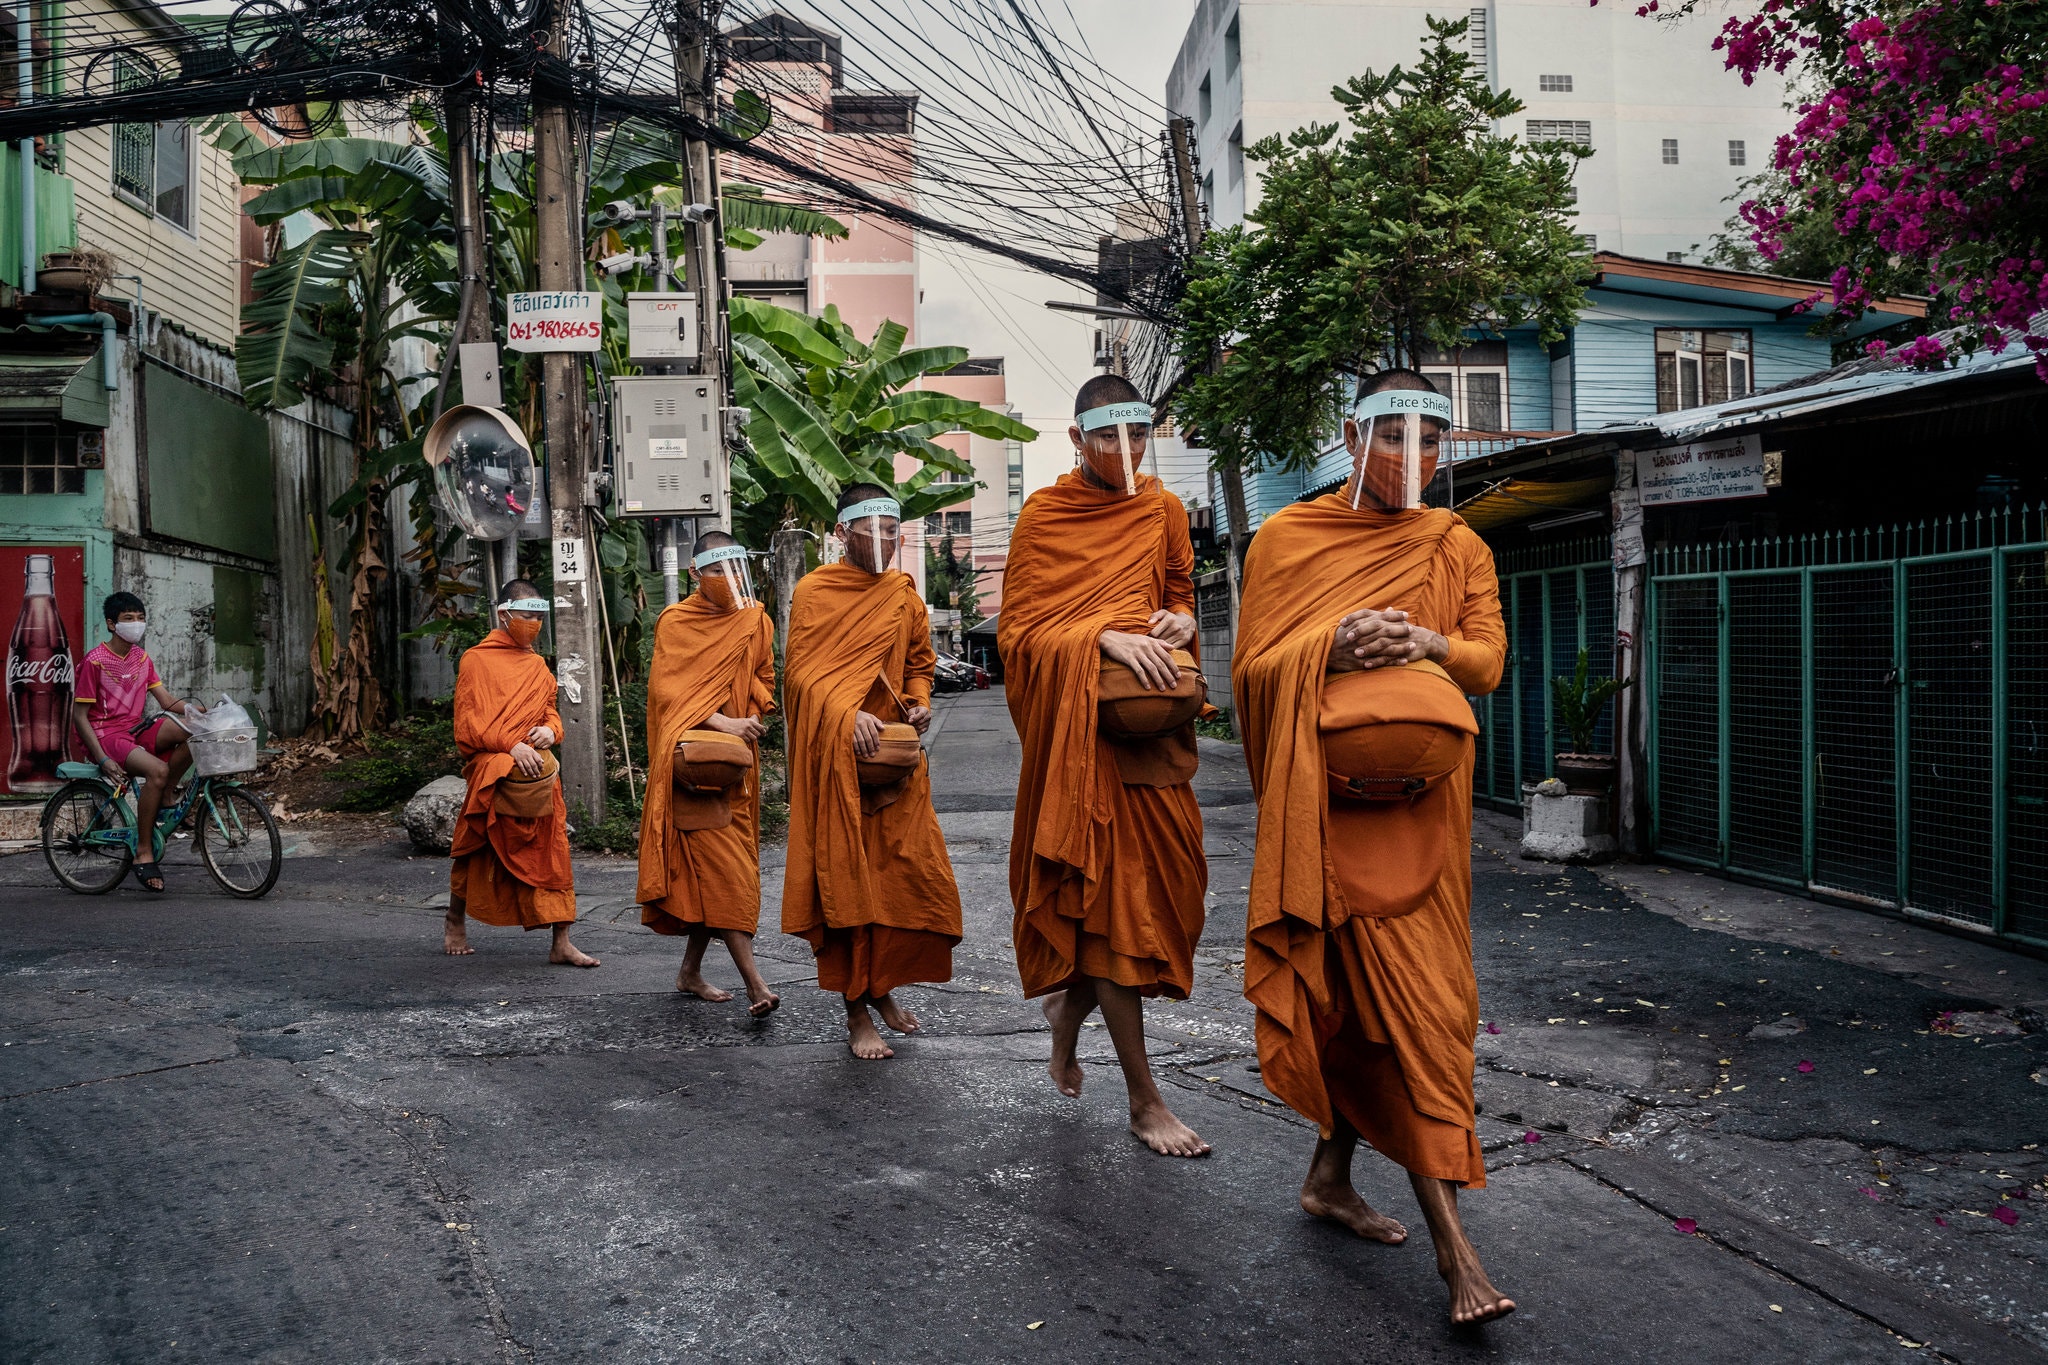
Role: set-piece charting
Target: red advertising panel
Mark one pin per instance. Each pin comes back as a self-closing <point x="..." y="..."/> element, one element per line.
<point x="42" y="612"/>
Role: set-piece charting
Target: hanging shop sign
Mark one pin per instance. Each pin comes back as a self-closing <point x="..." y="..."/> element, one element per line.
<point x="1701" y="471"/>
<point x="555" y="320"/>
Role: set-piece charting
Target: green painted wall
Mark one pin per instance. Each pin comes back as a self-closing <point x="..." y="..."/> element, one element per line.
<point x="56" y="215"/>
<point x="209" y="471"/>
<point x="236" y="644"/>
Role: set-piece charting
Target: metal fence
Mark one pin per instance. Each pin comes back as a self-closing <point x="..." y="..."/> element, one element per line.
<point x="1555" y="600"/>
<point x="1874" y="728"/>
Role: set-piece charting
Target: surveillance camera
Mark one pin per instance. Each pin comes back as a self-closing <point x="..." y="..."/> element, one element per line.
<point x="621" y="263"/>
<point x="695" y="213"/>
<point x="619" y="211"/>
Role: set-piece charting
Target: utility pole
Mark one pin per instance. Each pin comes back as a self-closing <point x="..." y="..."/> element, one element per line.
<point x="559" y="248"/>
<point x="1232" y="476"/>
<point x="693" y="34"/>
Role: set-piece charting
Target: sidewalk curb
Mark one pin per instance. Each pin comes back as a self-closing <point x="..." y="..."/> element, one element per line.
<point x="1893" y="1305"/>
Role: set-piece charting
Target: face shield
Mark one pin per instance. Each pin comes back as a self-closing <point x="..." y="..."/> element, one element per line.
<point x="522" y="617"/>
<point x="1395" y="438"/>
<point x="724" y="578"/>
<point x="873" y="532"/>
<point x="1113" y="442"/>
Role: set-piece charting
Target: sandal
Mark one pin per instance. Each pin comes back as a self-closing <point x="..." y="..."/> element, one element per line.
<point x="145" y="873"/>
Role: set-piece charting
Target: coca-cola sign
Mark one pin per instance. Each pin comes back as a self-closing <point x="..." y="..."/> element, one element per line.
<point x="43" y="630"/>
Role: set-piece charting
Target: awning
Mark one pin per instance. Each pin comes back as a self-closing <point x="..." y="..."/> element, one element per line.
<point x="985" y="626"/>
<point x="1521" y="499"/>
<point x="70" y="387"/>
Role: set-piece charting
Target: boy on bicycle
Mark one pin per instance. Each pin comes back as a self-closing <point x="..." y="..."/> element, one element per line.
<point x="113" y="682"/>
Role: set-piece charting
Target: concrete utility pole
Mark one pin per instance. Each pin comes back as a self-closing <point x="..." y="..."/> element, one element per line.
<point x="559" y="247"/>
<point x="1231" y="475"/>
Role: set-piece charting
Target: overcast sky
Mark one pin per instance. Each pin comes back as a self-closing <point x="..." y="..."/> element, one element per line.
<point x="993" y="307"/>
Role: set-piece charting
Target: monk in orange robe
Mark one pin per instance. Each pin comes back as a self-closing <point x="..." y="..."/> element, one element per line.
<point x="714" y="669"/>
<point x="868" y="884"/>
<point x="1106" y="873"/>
<point x="1359" y="947"/>
<point x="509" y="870"/>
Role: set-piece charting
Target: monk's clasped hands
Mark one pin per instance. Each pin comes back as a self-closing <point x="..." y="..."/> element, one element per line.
<point x="1145" y="655"/>
<point x="1177" y="629"/>
<point x="540" y="737"/>
<point x="1375" y="639"/>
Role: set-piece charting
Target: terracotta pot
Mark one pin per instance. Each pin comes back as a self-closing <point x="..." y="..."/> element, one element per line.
<point x="1586" y="774"/>
<point x="63" y="279"/>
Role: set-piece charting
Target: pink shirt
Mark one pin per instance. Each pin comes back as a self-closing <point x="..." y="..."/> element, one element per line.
<point x="116" y="687"/>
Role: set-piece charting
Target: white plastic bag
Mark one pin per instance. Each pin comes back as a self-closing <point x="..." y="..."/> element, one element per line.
<point x="223" y="739"/>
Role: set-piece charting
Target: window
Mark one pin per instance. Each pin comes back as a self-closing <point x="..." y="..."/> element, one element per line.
<point x="1207" y="102"/>
<point x="1695" y="368"/>
<point x="1589" y="241"/>
<point x="153" y="167"/>
<point x="1236" y="156"/>
<point x="1554" y="85"/>
<point x="1675" y="257"/>
<point x="1577" y="131"/>
<point x="1475" y="379"/>
<point x="1738" y="152"/>
<point x="38" y="459"/>
<point x="1671" y="151"/>
<point x="1475" y="40"/>
<point x="1232" y="53"/>
<point x="949" y="524"/>
<point x="1013" y="456"/>
<point x="1209" y="196"/>
<point x="1571" y="194"/>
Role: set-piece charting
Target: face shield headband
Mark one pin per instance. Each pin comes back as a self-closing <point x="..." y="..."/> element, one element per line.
<point x="1133" y="423"/>
<point x="725" y="579"/>
<point x="1387" y="473"/>
<point x="873" y="531"/>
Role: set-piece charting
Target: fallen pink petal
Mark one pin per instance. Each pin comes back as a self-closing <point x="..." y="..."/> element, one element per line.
<point x="1804" y="1067"/>
<point x="1687" y="1226"/>
<point x="1939" y="1221"/>
<point x="1493" y="1028"/>
<point x="2004" y="1214"/>
<point x="1532" y="1137"/>
<point x="1867" y="1190"/>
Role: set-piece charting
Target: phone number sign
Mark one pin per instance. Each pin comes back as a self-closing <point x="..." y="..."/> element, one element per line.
<point x="555" y="320"/>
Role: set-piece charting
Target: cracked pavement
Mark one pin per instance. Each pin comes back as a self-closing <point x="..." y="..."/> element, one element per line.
<point x="291" y="1130"/>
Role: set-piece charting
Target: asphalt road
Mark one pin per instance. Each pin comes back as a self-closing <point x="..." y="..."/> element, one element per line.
<point x="292" y="1130"/>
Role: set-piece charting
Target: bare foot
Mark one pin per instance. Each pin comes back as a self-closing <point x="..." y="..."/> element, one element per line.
<point x="1473" y="1298"/>
<point x="1341" y="1204"/>
<point x="1065" y="1070"/>
<point x="455" y="936"/>
<point x="1156" y="1127"/>
<point x="763" y="1001"/>
<point x="690" y="983"/>
<point x="861" y="1036"/>
<point x="567" y="954"/>
<point x="895" y="1016"/>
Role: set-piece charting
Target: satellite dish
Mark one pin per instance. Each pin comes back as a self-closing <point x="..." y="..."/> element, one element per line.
<point x="483" y="469"/>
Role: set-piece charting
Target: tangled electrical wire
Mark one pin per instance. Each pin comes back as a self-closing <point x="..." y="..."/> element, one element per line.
<point x="983" y="122"/>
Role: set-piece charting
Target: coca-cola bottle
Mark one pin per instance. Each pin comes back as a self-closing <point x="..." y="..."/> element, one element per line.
<point x="39" y="684"/>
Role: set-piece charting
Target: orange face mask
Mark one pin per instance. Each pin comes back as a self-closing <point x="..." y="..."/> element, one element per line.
<point x="524" y="631"/>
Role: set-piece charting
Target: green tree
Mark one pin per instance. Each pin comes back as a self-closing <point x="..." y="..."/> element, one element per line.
<point x="827" y="409"/>
<point x="1417" y="229"/>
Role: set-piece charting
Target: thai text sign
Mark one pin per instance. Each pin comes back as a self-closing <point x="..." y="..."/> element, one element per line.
<point x="1701" y="471"/>
<point x="555" y="320"/>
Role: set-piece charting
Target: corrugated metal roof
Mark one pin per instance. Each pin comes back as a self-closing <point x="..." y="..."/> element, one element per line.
<point x="61" y="385"/>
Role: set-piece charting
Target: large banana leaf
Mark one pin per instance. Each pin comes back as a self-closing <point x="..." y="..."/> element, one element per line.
<point x="790" y="332"/>
<point x="281" y="346"/>
<point x="319" y="156"/>
<point x="926" y="405"/>
<point x="743" y="207"/>
<point x="889" y="375"/>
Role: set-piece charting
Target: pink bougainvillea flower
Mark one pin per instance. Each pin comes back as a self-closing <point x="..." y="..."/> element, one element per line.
<point x="1685" y="1225"/>
<point x="1939" y="1221"/>
<point x="1872" y="1193"/>
<point x="2004" y="1214"/>
<point x="1805" y="1067"/>
<point x="1532" y="1137"/>
<point x="1493" y="1028"/>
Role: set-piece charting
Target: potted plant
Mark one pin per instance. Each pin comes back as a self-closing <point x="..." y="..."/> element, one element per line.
<point x="75" y="270"/>
<point x="1576" y="702"/>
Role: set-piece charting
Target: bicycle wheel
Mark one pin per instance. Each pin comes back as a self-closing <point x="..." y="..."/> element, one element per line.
<point x="86" y="837"/>
<point x="238" y="841"/>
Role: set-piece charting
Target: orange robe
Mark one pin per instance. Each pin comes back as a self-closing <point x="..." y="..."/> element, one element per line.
<point x="507" y="870"/>
<point x="1108" y="879"/>
<point x="871" y="891"/>
<point x="1365" y="1014"/>
<point x="706" y="661"/>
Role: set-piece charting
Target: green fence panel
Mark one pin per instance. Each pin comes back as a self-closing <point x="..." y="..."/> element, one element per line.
<point x="2025" y="844"/>
<point x="1687" y="717"/>
<point x="1949" y="736"/>
<point x="1766" y="724"/>
<point x="1855" y="747"/>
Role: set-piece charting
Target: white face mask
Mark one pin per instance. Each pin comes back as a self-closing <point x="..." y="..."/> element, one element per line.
<point x="131" y="631"/>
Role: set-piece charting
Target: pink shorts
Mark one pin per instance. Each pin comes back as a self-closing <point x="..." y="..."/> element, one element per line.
<point x="118" y="744"/>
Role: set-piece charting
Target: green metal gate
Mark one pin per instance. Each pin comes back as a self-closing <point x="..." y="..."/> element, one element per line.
<point x="1863" y="715"/>
<point x="1555" y="601"/>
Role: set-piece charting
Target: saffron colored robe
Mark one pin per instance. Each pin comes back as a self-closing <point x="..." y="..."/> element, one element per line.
<point x="506" y="870"/>
<point x="1107" y="879"/>
<point x="1371" y="1016"/>
<point x="871" y="891"/>
<point x="706" y="661"/>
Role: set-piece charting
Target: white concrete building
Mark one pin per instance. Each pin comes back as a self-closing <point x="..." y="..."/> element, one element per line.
<point x="1673" y="132"/>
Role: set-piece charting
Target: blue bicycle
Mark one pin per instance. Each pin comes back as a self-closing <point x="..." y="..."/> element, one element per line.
<point x="89" y="833"/>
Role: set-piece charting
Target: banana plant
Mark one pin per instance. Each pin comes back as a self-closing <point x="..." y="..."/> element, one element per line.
<point x="826" y="409"/>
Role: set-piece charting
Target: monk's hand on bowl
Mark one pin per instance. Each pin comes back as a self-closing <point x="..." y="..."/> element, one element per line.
<point x="918" y="717"/>
<point x="540" y="737"/>
<point x="526" y="760"/>
<point x="867" y="734"/>
<point x="746" y="727"/>
<point x="1366" y="639"/>
<point x="1174" y="629"/>
<point x="1150" y="659"/>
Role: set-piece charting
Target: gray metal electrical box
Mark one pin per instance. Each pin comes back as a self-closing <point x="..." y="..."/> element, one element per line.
<point x="668" y="447"/>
